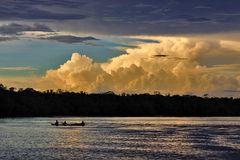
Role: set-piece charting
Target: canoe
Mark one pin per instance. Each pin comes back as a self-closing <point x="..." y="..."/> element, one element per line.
<point x="76" y="124"/>
<point x="69" y="124"/>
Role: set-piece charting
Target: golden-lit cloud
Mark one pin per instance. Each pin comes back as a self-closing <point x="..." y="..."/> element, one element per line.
<point x="188" y="65"/>
<point x="28" y="68"/>
<point x="20" y="81"/>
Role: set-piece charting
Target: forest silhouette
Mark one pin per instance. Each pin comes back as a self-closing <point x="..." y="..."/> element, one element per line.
<point x="29" y="103"/>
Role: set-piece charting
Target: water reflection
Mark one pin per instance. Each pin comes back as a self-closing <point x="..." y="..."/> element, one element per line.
<point x="121" y="138"/>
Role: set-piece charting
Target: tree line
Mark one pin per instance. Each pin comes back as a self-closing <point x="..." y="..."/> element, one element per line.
<point x="29" y="103"/>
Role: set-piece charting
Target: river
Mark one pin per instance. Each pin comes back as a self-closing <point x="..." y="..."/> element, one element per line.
<point x="138" y="138"/>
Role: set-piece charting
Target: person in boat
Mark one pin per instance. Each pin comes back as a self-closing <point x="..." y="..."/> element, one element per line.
<point x="64" y="123"/>
<point x="83" y="123"/>
<point x="56" y="123"/>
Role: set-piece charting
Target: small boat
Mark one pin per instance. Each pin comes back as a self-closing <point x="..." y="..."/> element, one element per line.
<point x="69" y="124"/>
<point x="76" y="124"/>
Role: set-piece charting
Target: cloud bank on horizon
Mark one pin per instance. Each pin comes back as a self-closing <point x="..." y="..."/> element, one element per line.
<point x="185" y="68"/>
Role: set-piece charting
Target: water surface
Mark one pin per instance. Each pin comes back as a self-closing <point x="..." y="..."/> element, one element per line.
<point x="121" y="138"/>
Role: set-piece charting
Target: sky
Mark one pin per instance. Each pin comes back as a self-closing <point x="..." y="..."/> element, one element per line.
<point x="135" y="46"/>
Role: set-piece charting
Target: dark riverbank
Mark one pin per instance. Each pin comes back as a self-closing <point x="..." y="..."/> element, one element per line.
<point x="29" y="103"/>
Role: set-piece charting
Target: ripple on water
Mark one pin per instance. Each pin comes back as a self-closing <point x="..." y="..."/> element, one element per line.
<point x="121" y="138"/>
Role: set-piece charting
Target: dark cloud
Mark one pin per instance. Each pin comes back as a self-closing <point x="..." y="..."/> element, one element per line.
<point x="2" y="39"/>
<point x="69" y="39"/>
<point x="167" y="56"/>
<point x="40" y="9"/>
<point x="128" y="16"/>
<point x="144" y="40"/>
<point x="198" y="19"/>
<point x="34" y="14"/>
<point x="158" y="17"/>
<point x="14" y="28"/>
<point x="160" y="55"/>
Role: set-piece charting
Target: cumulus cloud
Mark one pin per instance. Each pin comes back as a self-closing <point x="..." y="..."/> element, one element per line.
<point x="189" y="69"/>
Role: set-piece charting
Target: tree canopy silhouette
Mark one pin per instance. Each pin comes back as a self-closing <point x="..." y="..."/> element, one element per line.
<point x="29" y="102"/>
